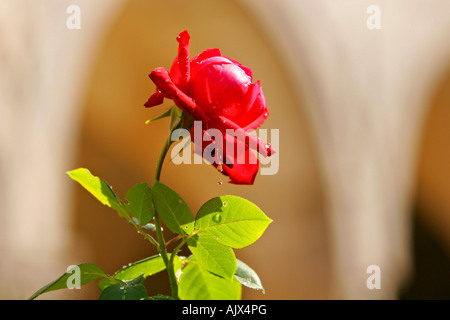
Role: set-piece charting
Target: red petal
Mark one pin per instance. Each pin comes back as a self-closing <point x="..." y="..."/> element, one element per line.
<point x="155" y="99"/>
<point x="256" y="108"/>
<point x="246" y="69"/>
<point x="242" y="173"/>
<point x="239" y="164"/>
<point x="251" y="141"/>
<point x="161" y="78"/>
<point x="208" y="53"/>
<point x="183" y="59"/>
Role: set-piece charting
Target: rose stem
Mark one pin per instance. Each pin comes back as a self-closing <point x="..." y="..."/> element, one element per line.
<point x="160" y="237"/>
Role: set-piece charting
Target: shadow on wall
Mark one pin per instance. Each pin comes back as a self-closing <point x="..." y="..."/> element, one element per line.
<point x="431" y="234"/>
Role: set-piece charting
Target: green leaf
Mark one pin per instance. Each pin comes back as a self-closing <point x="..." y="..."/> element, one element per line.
<point x="140" y="203"/>
<point x="124" y="292"/>
<point x="234" y="221"/>
<point x="84" y="273"/>
<point x="212" y="255"/>
<point x="172" y="209"/>
<point x="145" y="268"/>
<point x="138" y="280"/>
<point x="99" y="189"/>
<point x="164" y="115"/>
<point x="106" y="282"/>
<point x="161" y="297"/>
<point x="176" y="115"/>
<point x="247" y="276"/>
<point x="196" y="283"/>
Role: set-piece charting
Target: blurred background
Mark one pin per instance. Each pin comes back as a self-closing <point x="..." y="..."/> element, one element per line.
<point x="364" y="120"/>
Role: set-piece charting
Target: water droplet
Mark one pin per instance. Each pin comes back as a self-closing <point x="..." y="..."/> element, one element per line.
<point x="219" y="167"/>
<point x="217" y="218"/>
<point x="263" y="291"/>
<point x="220" y="183"/>
<point x="217" y="238"/>
<point x="224" y="204"/>
<point x="266" y="114"/>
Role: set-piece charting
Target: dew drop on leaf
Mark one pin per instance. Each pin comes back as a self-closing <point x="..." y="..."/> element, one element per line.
<point x="217" y="218"/>
<point x="224" y="204"/>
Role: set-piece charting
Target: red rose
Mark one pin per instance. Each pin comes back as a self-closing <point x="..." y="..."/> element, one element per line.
<point x="218" y="91"/>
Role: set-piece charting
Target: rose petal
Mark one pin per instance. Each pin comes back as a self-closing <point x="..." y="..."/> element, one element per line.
<point x="239" y="164"/>
<point x="220" y="88"/>
<point x="257" y="111"/>
<point x="183" y="59"/>
<point x="253" y="142"/>
<point x="161" y="78"/>
<point x="155" y="99"/>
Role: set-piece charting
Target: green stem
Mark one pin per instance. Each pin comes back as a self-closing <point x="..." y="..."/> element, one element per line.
<point x="169" y="264"/>
<point x="162" y="244"/>
<point x="174" y="253"/>
<point x="162" y="156"/>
